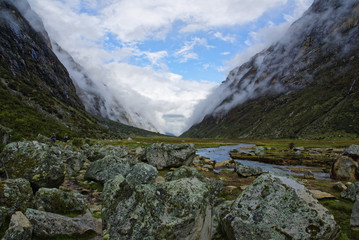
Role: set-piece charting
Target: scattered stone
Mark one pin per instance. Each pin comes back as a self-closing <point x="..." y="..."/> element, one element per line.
<point x="340" y="186"/>
<point x="57" y="201"/>
<point x="276" y="207"/>
<point x="39" y="163"/>
<point x="19" y="228"/>
<point x="297" y="153"/>
<point x="107" y="168"/>
<point x="345" y="168"/>
<point x="160" y="179"/>
<point x="321" y="195"/>
<point x="352" y="151"/>
<point x="183" y="172"/>
<point x="248" y="171"/>
<point x="170" y="155"/>
<point x="179" y="209"/>
<point x="298" y="149"/>
<point x="226" y="164"/>
<point x="313" y="152"/>
<point x="351" y="192"/>
<point x="15" y="195"/>
<point x="259" y="151"/>
<point x="230" y="188"/>
<point x="309" y="175"/>
<point x="50" y="225"/>
<point x="354" y="218"/>
<point x="208" y="161"/>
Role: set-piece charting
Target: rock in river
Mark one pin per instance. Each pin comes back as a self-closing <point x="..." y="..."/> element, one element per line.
<point x="247" y="171"/>
<point x="170" y="155"/>
<point x="276" y="207"/>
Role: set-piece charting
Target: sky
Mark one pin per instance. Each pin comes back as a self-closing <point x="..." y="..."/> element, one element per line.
<point x="162" y="57"/>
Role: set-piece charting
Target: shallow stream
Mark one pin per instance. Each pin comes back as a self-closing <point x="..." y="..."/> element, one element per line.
<point x="222" y="153"/>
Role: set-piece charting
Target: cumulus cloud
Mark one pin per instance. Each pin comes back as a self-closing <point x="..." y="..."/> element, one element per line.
<point x="227" y="38"/>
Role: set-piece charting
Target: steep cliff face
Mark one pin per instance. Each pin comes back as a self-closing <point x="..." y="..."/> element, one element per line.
<point x="37" y="94"/>
<point x="305" y="85"/>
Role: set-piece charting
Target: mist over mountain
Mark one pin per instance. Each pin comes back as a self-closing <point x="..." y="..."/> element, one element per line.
<point x="38" y="94"/>
<point x="305" y="85"/>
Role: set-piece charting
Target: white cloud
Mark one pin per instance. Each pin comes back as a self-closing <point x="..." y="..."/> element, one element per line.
<point x="187" y="51"/>
<point x="228" y="38"/>
<point x="225" y="53"/>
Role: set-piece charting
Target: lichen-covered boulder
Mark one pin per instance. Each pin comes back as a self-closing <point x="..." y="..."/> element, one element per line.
<point x="180" y="209"/>
<point x="57" y="201"/>
<point x="50" y="225"/>
<point x="41" y="164"/>
<point x="97" y="152"/>
<point x="142" y="173"/>
<point x="107" y="168"/>
<point x="248" y="171"/>
<point x="74" y="161"/>
<point x="351" y="192"/>
<point x="277" y="207"/>
<point x="19" y="228"/>
<point x="183" y="172"/>
<point x="170" y="155"/>
<point x="345" y="168"/>
<point x="15" y="195"/>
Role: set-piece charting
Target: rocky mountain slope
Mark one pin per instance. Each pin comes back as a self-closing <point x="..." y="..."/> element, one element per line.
<point x="37" y="94"/>
<point x="305" y="85"/>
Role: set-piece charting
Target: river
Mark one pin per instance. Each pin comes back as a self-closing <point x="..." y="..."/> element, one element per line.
<point x="222" y="153"/>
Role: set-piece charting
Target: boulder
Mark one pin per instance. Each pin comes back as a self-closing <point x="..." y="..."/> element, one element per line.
<point x="170" y="155"/>
<point x="142" y="173"/>
<point x="345" y="168"/>
<point x="354" y="218"/>
<point x="39" y="163"/>
<point x="259" y="151"/>
<point x="107" y="168"/>
<point x="15" y="195"/>
<point x="97" y="152"/>
<point x="321" y="195"/>
<point x="19" y="228"/>
<point x="352" y="151"/>
<point x="309" y="175"/>
<point x="247" y="171"/>
<point x="351" y="192"/>
<point x="50" y="225"/>
<point x="226" y="164"/>
<point x="183" y="172"/>
<point x="57" y="201"/>
<point x="179" y="209"/>
<point x="277" y="207"/>
<point x="74" y="161"/>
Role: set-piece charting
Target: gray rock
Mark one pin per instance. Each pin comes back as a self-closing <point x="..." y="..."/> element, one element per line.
<point x="15" y="195"/>
<point x="354" y="218"/>
<point x="57" y="201"/>
<point x="74" y="161"/>
<point x="351" y="192"/>
<point x="313" y="152"/>
<point x="97" y="152"/>
<point x="183" y="172"/>
<point x="340" y="186"/>
<point x="19" y="228"/>
<point x="219" y="212"/>
<point x="345" y="168"/>
<point x="50" y="225"/>
<point x="259" y="151"/>
<point x="352" y="151"/>
<point x="170" y="155"/>
<point x="39" y="163"/>
<point x="298" y="149"/>
<point x="180" y="209"/>
<point x="309" y="175"/>
<point x="142" y="173"/>
<point x="107" y="168"/>
<point x="247" y="171"/>
<point x="276" y="207"/>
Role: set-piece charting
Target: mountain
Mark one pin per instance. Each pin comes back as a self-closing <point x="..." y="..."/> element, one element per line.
<point x="304" y="86"/>
<point x="37" y="94"/>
